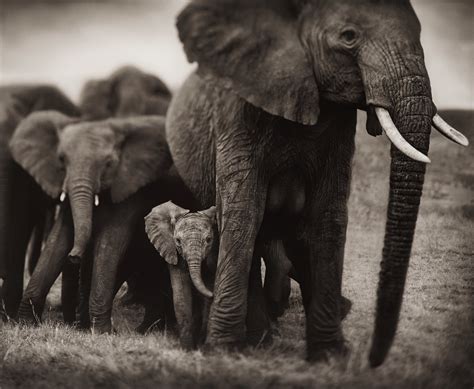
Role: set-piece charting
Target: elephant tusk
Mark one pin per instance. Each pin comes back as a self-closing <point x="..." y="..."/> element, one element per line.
<point x="396" y="138"/>
<point x="449" y="132"/>
<point x="96" y="200"/>
<point x="62" y="197"/>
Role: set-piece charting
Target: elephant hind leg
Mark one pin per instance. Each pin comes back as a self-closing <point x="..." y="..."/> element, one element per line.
<point x="258" y="320"/>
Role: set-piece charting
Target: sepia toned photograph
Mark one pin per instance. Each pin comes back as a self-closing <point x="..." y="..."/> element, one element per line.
<point x="237" y="194"/>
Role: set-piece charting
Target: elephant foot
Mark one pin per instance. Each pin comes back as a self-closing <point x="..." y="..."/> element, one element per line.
<point x="187" y="342"/>
<point x="101" y="328"/>
<point x="220" y="346"/>
<point x="29" y="313"/>
<point x="324" y="351"/>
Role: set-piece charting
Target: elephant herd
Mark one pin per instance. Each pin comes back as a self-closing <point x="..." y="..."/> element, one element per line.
<point x="182" y="196"/>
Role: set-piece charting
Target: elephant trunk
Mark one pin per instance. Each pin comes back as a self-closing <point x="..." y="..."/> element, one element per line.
<point x="81" y="197"/>
<point x="194" y="265"/>
<point x="408" y="108"/>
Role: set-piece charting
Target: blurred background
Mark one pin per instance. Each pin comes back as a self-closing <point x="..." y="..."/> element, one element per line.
<point x="67" y="42"/>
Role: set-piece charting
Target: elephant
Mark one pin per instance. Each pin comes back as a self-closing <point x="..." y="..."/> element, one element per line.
<point x="188" y="241"/>
<point x="264" y="129"/>
<point x="110" y="163"/>
<point x="127" y="92"/>
<point x="22" y="204"/>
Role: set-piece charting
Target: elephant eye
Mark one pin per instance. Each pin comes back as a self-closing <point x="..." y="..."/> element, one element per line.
<point x="208" y="239"/>
<point x="178" y="241"/>
<point x="349" y="36"/>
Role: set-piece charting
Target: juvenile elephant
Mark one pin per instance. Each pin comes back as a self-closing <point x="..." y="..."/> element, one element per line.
<point x="114" y="160"/>
<point x="265" y="130"/>
<point x="127" y="92"/>
<point x="189" y="242"/>
<point x="22" y="203"/>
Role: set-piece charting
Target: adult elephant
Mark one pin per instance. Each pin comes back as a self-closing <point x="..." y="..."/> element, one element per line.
<point x="127" y="92"/>
<point x="113" y="159"/>
<point x="266" y="129"/>
<point x="22" y="203"/>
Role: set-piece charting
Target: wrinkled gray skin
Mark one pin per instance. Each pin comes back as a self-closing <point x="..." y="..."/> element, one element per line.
<point x="22" y="203"/>
<point x="127" y="92"/>
<point x="265" y="130"/>
<point x="189" y="242"/>
<point x="111" y="159"/>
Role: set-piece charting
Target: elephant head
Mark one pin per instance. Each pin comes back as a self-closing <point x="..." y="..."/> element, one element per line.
<point x="289" y="56"/>
<point x="83" y="159"/>
<point x="127" y="92"/>
<point x="174" y="230"/>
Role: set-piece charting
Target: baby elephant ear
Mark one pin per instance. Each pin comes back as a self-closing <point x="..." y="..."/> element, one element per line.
<point x="34" y="147"/>
<point x="159" y="225"/>
<point x="210" y="212"/>
<point x="253" y="47"/>
<point x="145" y="155"/>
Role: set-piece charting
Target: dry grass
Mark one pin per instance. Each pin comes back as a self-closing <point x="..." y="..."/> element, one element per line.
<point x="433" y="349"/>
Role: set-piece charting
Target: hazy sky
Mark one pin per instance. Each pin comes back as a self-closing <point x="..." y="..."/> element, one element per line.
<point x="67" y="42"/>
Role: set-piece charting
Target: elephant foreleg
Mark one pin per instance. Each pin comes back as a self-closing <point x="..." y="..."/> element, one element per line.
<point x="325" y="243"/>
<point x="85" y="276"/>
<point x="241" y="195"/>
<point x="70" y="291"/>
<point x="115" y="229"/>
<point x="48" y="268"/>
<point x="182" y="301"/>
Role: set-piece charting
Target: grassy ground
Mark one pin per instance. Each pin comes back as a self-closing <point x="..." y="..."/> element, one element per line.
<point x="433" y="349"/>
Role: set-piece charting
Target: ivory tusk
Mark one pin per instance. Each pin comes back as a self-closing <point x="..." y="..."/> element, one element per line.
<point x="396" y="138"/>
<point x="449" y="132"/>
<point x="62" y="197"/>
<point x="96" y="200"/>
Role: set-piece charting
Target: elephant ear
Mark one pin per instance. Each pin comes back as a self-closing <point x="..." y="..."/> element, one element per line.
<point x="159" y="225"/>
<point x="253" y="47"/>
<point x="145" y="155"/>
<point x="34" y="147"/>
<point x="210" y="213"/>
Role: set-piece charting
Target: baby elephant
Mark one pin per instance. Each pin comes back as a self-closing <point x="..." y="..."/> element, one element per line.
<point x="188" y="241"/>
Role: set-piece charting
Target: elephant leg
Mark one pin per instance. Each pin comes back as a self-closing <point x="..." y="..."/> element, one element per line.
<point x="241" y="196"/>
<point x="277" y="282"/>
<point x="48" y="268"/>
<point x="36" y="244"/>
<point x="115" y="229"/>
<point x="183" y="303"/>
<point x="325" y="245"/>
<point x="70" y="291"/>
<point x="85" y="276"/>
<point x="23" y="218"/>
<point x="258" y="320"/>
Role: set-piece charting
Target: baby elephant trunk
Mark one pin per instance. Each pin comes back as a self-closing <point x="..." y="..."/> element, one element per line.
<point x="194" y="265"/>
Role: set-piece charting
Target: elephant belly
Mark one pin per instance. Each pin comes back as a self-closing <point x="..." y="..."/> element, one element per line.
<point x="286" y="197"/>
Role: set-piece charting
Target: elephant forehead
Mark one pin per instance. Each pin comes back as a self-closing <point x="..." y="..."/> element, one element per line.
<point x="86" y="132"/>
<point x="194" y="223"/>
